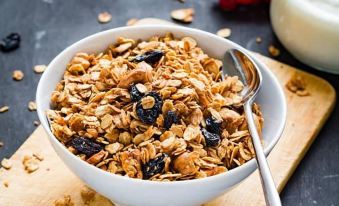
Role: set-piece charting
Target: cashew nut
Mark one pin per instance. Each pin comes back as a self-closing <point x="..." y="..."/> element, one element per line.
<point x="142" y="73"/>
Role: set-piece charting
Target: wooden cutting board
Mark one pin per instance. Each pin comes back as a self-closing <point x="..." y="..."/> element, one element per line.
<point x="53" y="180"/>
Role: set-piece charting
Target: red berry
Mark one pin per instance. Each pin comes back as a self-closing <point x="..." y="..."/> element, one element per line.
<point x="228" y="4"/>
<point x="247" y="2"/>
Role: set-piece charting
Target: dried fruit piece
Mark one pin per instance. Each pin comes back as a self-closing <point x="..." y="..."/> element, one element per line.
<point x="86" y="146"/>
<point x="135" y="94"/>
<point x="39" y="68"/>
<point x="211" y="139"/>
<point x="225" y="32"/>
<point x="10" y="42"/>
<point x="183" y="15"/>
<point x="154" y="166"/>
<point x="6" y="163"/>
<point x="104" y="17"/>
<point x="149" y="57"/>
<point x="149" y="116"/>
<point x="31" y="106"/>
<point x="273" y="51"/>
<point x="170" y="118"/>
<point x="18" y="75"/>
<point x="4" y="109"/>
<point x="212" y="125"/>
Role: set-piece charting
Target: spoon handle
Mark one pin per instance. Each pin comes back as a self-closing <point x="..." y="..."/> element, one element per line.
<point x="271" y="194"/>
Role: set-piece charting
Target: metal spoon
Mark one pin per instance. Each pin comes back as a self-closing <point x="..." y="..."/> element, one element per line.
<point x="237" y="63"/>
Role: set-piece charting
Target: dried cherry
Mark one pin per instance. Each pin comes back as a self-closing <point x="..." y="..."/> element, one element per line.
<point x="149" y="116"/>
<point x="86" y="146"/>
<point x="154" y="166"/>
<point x="150" y="57"/>
<point x="211" y="139"/>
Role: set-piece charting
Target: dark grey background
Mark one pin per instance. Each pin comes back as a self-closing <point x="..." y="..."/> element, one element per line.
<point x="49" y="26"/>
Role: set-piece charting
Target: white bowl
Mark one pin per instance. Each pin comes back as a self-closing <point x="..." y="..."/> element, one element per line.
<point x="128" y="191"/>
<point x="309" y="31"/>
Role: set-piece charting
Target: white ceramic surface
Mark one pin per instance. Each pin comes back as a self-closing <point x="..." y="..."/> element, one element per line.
<point x="128" y="191"/>
<point x="309" y="29"/>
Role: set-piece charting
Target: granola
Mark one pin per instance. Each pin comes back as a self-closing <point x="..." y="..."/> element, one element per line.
<point x="31" y="163"/>
<point x="224" y="33"/>
<point x="18" y="75"/>
<point x="155" y="109"/>
<point x="31" y="106"/>
<point x="297" y="85"/>
<point x="274" y="51"/>
<point x="6" y="163"/>
<point x="39" y="69"/>
<point x="104" y="17"/>
<point x="87" y="195"/>
<point x="183" y="15"/>
<point x="4" y="109"/>
<point x="65" y="201"/>
<point x="5" y="183"/>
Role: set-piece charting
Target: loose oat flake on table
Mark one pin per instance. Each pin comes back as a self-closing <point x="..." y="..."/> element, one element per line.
<point x="183" y="15"/>
<point x="6" y="163"/>
<point x="39" y="69"/>
<point x="5" y="183"/>
<point x="87" y="194"/>
<point x="258" y="40"/>
<point x="31" y="163"/>
<point x="224" y="33"/>
<point x="65" y="201"/>
<point x="18" y="75"/>
<point x="104" y="17"/>
<point x="132" y="21"/>
<point x="31" y="106"/>
<point x="297" y="84"/>
<point x="156" y="109"/>
<point x="274" y="51"/>
<point x="4" y="109"/>
<point x="36" y="123"/>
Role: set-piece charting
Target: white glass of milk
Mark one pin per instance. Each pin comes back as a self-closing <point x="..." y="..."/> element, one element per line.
<point x="309" y="29"/>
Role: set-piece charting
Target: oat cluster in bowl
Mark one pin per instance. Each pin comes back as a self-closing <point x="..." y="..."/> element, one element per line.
<point x="155" y="109"/>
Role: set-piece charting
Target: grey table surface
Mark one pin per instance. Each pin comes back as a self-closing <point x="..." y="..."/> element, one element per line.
<point x="49" y="26"/>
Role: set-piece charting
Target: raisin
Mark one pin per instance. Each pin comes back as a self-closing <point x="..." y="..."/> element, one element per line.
<point x="154" y="166"/>
<point x="149" y="116"/>
<point x="135" y="94"/>
<point x="211" y="139"/>
<point x="171" y="118"/>
<point x="212" y="125"/>
<point x="11" y="42"/>
<point x="150" y="57"/>
<point x="86" y="146"/>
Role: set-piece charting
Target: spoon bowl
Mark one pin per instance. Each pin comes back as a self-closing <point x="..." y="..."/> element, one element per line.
<point x="241" y="65"/>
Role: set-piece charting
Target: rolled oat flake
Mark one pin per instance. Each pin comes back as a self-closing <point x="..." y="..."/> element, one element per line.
<point x="104" y="17"/>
